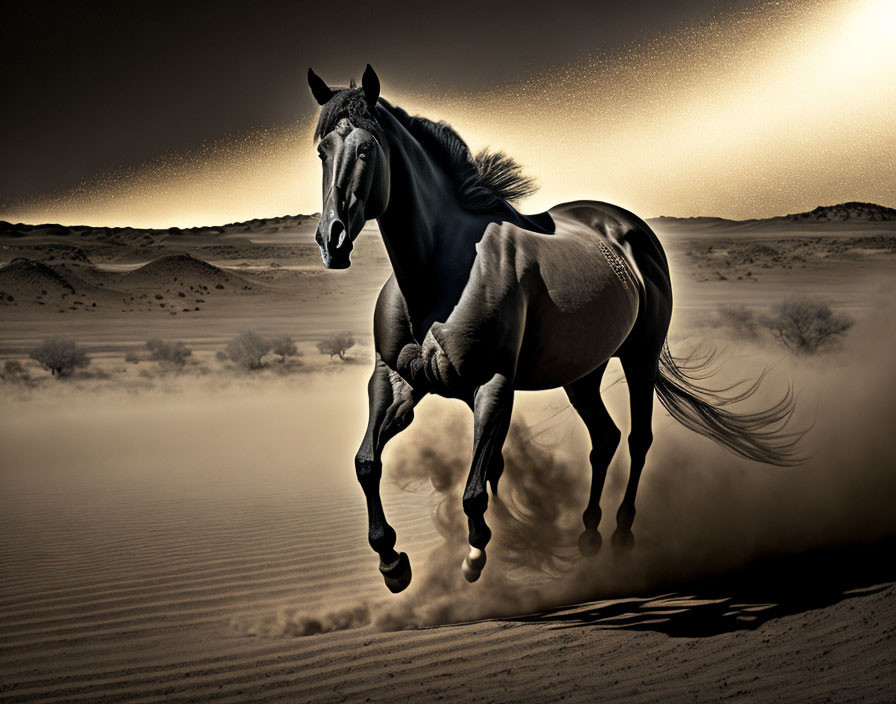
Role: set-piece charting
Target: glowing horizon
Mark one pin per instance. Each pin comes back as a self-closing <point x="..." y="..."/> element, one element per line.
<point x="754" y="114"/>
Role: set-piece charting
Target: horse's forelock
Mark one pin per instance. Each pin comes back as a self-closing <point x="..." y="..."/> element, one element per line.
<point x="346" y="104"/>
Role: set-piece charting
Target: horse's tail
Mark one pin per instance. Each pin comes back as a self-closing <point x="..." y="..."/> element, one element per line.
<point x="757" y="436"/>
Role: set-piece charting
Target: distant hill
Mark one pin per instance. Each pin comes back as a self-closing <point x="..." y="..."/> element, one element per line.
<point x="844" y="212"/>
<point x="258" y="225"/>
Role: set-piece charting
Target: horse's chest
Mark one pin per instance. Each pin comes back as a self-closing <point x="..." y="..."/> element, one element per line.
<point x="458" y="353"/>
<point x="428" y="370"/>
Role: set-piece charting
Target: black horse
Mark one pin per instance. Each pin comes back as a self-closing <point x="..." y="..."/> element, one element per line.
<point x="484" y="300"/>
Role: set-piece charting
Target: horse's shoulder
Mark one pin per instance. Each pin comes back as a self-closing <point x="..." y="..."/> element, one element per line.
<point x="391" y="322"/>
<point x="499" y="236"/>
<point x="506" y="246"/>
<point x="390" y="298"/>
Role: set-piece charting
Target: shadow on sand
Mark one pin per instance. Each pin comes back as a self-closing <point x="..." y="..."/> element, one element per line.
<point x="759" y="592"/>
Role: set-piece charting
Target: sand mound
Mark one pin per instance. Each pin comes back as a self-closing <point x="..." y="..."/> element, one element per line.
<point x="25" y="277"/>
<point x="180" y="271"/>
<point x="28" y="281"/>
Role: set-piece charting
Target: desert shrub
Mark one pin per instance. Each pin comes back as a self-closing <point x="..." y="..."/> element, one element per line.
<point x="13" y="370"/>
<point x="336" y="345"/>
<point x="221" y="356"/>
<point x="173" y="353"/>
<point x="247" y="349"/>
<point x="739" y="320"/>
<point x="285" y="347"/>
<point x="132" y="358"/>
<point x="755" y="253"/>
<point x="806" y="325"/>
<point x="59" y="356"/>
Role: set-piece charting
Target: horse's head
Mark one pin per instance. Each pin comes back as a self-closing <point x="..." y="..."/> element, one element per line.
<point x="355" y="164"/>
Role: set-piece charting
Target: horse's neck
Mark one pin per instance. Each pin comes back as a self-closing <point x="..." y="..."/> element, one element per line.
<point x="430" y="239"/>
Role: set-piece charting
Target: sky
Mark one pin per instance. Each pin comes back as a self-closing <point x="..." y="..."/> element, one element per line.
<point x="158" y="114"/>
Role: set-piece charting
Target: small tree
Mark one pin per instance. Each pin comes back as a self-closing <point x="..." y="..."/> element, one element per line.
<point x="247" y="349"/>
<point x="59" y="356"/>
<point x="336" y="345"/>
<point x="173" y="353"/>
<point x="806" y="325"/>
<point x="285" y="347"/>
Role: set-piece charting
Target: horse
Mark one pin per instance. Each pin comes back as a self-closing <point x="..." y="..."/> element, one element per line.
<point x="484" y="300"/>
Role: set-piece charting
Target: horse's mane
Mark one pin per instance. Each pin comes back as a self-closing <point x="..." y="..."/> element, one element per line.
<point x="483" y="182"/>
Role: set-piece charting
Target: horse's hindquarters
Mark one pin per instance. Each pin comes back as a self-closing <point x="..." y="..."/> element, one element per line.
<point x="579" y="313"/>
<point x="559" y="348"/>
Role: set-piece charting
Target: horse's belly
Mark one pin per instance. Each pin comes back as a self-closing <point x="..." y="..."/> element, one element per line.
<point x="566" y="338"/>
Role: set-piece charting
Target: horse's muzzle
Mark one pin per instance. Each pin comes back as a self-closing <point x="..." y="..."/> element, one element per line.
<point x="335" y="244"/>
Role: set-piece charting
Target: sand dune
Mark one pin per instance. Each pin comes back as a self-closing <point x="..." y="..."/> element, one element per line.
<point x="27" y="282"/>
<point x="171" y="283"/>
<point x="181" y="270"/>
<point x="24" y="276"/>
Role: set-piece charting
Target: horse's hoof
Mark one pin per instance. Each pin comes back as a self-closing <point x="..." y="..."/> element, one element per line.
<point x="623" y="541"/>
<point x="590" y="543"/>
<point x="397" y="575"/>
<point x="473" y="564"/>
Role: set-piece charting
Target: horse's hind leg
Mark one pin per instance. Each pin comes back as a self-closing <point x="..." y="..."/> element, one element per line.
<point x="641" y="377"/>
<point x="584" y="395"/>
<point x="392" y="404"/>
<point x="492" y="406"/>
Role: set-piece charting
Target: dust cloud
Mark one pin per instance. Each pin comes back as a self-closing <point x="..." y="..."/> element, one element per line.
<point x="701" y="511"/>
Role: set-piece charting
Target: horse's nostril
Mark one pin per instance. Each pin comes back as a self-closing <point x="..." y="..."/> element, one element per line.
<point x="318" y="238"/>
<point x="337" y="234"/>
<point x="336" y="229"/>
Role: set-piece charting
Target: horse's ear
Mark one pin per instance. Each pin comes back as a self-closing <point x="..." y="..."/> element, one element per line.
<point x="371" y="84"/>
<point x="319" y="89"/>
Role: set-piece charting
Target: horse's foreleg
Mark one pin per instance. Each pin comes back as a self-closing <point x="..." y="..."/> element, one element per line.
<point x="641" y="379"/>
<point x="584" y="395"/>
<point x="392" y="403"/>
<point x="492" y="406"/>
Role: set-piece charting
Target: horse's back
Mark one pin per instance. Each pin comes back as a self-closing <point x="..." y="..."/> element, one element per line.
<point x="620" y="226"/>
<point x="641" y="247"/>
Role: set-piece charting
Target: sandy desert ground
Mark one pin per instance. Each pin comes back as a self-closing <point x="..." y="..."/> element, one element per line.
<point x="198" y="535"/>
